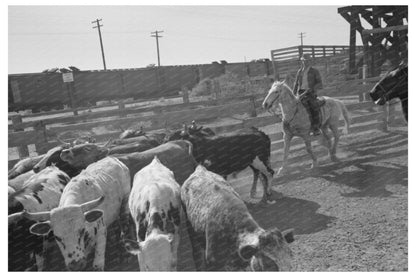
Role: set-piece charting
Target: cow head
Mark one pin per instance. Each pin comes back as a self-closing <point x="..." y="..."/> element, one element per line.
<point x="155" y="253"/>
<point x="51" y="157"/>
<point x="82" y="155"/>
<point x="75" y="229"/>
<point x="267" y="251"/>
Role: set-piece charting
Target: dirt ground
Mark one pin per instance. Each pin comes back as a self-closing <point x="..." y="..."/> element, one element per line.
<point x="348" y="216"/>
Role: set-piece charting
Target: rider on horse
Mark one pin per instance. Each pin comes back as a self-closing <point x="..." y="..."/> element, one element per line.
<point x="307" y="82"/>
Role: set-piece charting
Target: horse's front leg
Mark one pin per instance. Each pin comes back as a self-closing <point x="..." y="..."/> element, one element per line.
<point x="287" y="138"/>
<point x="308" y="145"/>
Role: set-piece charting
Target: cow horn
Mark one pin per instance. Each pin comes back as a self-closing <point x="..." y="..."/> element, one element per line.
<point x="87" y="206"/>
<point x="40" y="216"/>
<point x="14" y="217"/>
<point x="62" y="142"/>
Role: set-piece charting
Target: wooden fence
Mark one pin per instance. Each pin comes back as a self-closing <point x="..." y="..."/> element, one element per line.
<point x="43" y="133"/>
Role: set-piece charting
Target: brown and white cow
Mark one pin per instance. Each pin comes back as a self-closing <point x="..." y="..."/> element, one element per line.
<point x="155" y="206"/>
<point x="175" y="155"/>
<point x="90" y="202"/>
<point x="23" y="166"/>
<point x="224" y="236"/>
<point x="40" y="193"/>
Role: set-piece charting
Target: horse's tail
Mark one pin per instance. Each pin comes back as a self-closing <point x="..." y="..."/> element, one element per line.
<point x="345" y="115"/>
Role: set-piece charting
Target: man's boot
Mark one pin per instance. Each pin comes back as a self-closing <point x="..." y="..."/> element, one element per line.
<point x="314" y="110"/>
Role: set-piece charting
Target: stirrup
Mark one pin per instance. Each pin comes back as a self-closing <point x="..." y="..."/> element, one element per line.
<point x="315" y="132"/>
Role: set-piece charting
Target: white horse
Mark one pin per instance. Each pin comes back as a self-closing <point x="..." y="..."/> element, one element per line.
<point x="296" y="120"/>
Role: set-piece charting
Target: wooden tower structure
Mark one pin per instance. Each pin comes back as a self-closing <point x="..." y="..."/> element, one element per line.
<point x="385" y="37"/>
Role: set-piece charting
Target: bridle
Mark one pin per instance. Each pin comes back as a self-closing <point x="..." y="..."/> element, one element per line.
<point x="387" y="93"/>
<point x="277" y="115"/>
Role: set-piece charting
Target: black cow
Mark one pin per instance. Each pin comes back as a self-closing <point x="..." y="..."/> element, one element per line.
<point x="53" y="157"/>
<point x="223" y="234"/>
<point x="230" y="154"/>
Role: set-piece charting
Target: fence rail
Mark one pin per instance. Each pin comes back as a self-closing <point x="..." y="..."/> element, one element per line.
<point x="43" y="133"/>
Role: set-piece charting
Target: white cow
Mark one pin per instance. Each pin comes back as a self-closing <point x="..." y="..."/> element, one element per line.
<point x="80" y="229"/>
<point x="40" y="193"/>
<point x="156" y="207"/>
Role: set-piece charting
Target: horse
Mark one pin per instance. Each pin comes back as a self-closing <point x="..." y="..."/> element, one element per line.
<point x="392" y="85"/>
<point x="296" y="120"/>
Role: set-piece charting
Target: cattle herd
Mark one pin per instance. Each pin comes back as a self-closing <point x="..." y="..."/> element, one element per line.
<point x="133" y="193"/>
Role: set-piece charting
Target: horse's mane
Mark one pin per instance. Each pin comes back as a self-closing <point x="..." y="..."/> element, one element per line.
<point x="277" y="84"/>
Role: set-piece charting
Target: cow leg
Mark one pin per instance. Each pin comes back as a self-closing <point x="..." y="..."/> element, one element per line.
<point x="308" y="145"/>
<point x="198" y="247"/>
<point x="101" y="239"/>
<point x="267" y="192"/>
<point x="287" y="138"/>
<point x="126" y="231"/>
<point x="254" y="185"/>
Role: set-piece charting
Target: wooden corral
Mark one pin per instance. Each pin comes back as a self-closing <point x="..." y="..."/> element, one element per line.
<point x="245" y="111"/>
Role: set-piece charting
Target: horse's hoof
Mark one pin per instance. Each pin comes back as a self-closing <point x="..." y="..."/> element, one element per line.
<point x="314" y="165"/>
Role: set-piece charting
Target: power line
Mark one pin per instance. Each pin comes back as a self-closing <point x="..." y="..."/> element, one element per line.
<point x="155" y="34"/>
<point x="101" y="40"/>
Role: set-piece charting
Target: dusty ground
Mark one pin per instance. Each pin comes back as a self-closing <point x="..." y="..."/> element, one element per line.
<point x="348" y="216"/>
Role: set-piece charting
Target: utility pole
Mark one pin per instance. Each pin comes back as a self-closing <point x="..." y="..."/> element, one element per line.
<point x="155" y="34"/>
<point x="101" y="40"/>
<point x="301" y="36"/>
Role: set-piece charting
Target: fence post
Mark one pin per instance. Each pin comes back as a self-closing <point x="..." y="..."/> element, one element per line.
<point x="253" y="106"/>
<point x="22" y="150"/>
<point x="185" y="94"/>
<point x="42" y="147"/>
<point x="217" y="89"/>
<point x="121" y="107"/>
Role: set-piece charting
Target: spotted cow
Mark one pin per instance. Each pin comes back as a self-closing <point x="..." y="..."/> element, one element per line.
<point x="23" y="166"/>
<point x="224" y="236"/>
<point x="40" y="193"/>
<point x="155" y="207"/>
<point x="90" y="203"/>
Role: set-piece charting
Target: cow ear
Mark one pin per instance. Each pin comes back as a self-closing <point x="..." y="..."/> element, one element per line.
<point x="288" y="235"/>
<point x="247" y="251"/>
<point x="93" y="215"/>
<point x="132" y="246"/>
<point x="41" y="228"/>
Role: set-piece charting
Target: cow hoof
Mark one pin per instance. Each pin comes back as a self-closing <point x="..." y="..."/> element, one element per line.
<point x="253" y="194"/>
<point x="335" y="159"/>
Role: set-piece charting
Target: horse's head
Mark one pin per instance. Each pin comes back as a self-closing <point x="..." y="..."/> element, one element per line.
<point x="390" y="86"/>
<point x="273" y="95"/>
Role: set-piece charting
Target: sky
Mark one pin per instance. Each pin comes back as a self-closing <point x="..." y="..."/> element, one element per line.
<point x="41" y="37"/>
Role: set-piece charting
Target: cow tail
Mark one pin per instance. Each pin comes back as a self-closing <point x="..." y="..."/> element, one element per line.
<point x="190" y="147"/>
